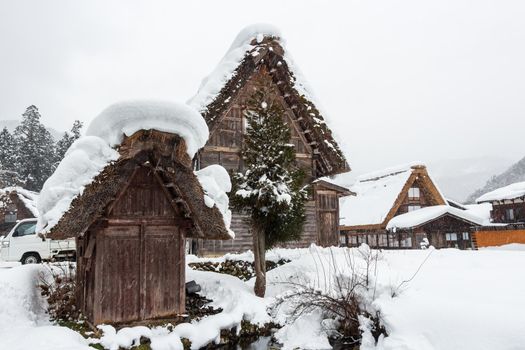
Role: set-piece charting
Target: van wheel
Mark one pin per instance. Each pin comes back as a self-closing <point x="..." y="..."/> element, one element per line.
<point x="31" y="258"/>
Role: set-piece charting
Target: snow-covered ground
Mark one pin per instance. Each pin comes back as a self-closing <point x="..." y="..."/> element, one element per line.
<point x="457" y="300"/>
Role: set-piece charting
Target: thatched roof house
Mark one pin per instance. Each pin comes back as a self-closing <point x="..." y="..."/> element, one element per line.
<point x="16" y="203"/>
<point x="258" y="55"/>
<point x="384" y="194"/>
<point x="258" y="61"/>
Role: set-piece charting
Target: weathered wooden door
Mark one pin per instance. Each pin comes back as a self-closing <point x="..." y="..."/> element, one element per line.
<point x="130" y="273"/>
<point x="327" y="229"/>
<point x="117" y="275"/>
<point x="327" y="203"/>
<point x="163" y="283"/>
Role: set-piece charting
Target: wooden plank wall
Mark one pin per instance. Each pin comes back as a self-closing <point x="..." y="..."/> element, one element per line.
<point x="243" y="238"/>
<point x="498" y="213"/>
<point x="494" y="238"/>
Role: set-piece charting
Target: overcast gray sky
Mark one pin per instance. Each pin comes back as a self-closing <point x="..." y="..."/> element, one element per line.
<point x="399" y="80"/>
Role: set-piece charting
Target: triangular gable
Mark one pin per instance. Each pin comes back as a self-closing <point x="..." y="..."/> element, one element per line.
<point x="264" y="52"/>
<point x="27" y="198"/>
<point x="145" y="194"/>
<point x="429" y="189"/>
<point x="380" y="196"/>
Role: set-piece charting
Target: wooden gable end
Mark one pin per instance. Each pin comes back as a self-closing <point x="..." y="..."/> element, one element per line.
<point x="429" y="195"/>
<point x="226" y="136"/>
<point x="143" y="197"/>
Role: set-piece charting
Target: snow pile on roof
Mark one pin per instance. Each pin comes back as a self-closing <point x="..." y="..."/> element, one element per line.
<point x="83" y="161"/>
<point x="481" y="210"/>
<point x="126" y="118"/>
<point x="375" y="196"/>
<point x="29" y="198"/>
<point x="421" y="216"/>
<point x="225" y="70"/>
<point x="513" y="191"/>
<point x="215" y="182"/>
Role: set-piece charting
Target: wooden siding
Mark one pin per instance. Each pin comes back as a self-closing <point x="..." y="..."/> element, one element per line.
<point x="243" y="239"/>
<point x="492" y="238"/>
<point x="423" y="200"/>
<point x="499" y="212"/>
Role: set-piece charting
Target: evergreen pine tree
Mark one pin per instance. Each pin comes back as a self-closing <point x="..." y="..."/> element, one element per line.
<point x="271" y="187"/>
<point x="35" y="150"/>
<point x="67" y="140"/>
<point x="8" y="174"/>
<point x="7" y="150"/>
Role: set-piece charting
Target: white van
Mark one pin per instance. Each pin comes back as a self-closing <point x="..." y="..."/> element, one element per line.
<point x="24" y="245"/>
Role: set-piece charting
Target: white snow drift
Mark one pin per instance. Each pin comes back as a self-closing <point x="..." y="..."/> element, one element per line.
<point x="469" y="300"/>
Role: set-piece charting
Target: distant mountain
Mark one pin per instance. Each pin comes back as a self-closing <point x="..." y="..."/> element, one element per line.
<point x="516" y="173"/>
<point x="459" y="178"/>
<point x="11" y="125"/>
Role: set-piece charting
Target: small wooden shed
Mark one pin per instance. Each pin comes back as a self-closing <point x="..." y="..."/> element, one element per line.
<point x="130" y="225"/>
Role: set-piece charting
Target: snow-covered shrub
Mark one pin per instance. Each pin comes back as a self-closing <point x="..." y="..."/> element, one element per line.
<point x="241" y="269"/>
<point x="342" y="293"/>
<point x="57" y="283"/>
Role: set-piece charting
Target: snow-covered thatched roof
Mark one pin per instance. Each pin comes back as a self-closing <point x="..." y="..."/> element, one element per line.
<point x="481" y="210"/>
<point x="93" y="171"/>
<point x="512" y="191"/>
<point x="379" y="194"/>
<point x="424" y="215"/>
<point x="261" y="47"/>
<point x="28" y="198"/>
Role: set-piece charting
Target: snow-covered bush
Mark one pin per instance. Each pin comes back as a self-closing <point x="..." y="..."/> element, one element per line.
<point x="57" y="283"/>
<point x="342" y="292"/>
